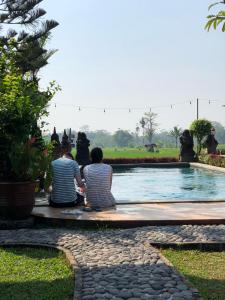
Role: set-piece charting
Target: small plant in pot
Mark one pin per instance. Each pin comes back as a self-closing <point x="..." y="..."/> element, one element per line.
<point x="24" y="156"/>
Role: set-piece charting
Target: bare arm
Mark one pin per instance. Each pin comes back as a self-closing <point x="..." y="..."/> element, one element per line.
<point x="79" y="181"/>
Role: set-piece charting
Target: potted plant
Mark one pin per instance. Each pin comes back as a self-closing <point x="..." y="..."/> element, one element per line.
<point x="24" y="156"/>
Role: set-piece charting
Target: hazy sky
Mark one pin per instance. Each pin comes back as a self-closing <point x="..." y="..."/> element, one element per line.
<point x="139" y="54"/>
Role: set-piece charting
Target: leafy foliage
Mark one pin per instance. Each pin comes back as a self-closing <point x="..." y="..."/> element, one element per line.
<point x="176" y="132"/>
<point x="28" y="45"/>
<point x="217" y="19"/>
<point x="22" y="104"/>
<point x="200" y="128"/>
<point x="149" y="125"/>
<point x="213" y="160"/>
<point x="122" y="138"/>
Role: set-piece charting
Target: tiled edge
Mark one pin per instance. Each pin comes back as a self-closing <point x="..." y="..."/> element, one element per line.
<point x="69" y="258"/>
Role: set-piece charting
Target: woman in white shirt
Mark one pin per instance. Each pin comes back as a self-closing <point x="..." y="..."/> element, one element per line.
<point x="98" y="178"/>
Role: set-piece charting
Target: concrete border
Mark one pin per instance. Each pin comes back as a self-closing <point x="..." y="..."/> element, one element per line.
<point x="207" y="167"/>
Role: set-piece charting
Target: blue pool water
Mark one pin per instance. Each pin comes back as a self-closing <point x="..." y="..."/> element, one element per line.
<point x="146" y="184"/>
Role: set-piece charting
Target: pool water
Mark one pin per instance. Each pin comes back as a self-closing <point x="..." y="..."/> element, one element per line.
<point x="146" y="184"/>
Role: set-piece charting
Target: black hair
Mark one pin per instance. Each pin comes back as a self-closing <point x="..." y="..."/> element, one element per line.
<point x="70" y="155"/>
<point x="96" y="155"/>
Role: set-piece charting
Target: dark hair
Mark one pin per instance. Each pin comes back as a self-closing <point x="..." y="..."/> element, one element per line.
<point x="96" y="155"/>
<point x="70" y="155"/>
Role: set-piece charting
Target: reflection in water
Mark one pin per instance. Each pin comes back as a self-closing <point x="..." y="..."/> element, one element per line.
<point x="144" y="184"/>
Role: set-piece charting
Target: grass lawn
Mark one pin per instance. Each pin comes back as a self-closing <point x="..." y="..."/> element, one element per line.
<point x="37" y="274"/>
<point x="204" y="269"/>
<point x="136" y="153"/>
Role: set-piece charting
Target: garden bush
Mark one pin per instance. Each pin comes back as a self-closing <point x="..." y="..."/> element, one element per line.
<point x="213" y="160"/>
<point x="140" y="160"/>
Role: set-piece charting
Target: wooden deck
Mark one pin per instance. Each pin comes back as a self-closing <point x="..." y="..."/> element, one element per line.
<point x="130" y="215"/>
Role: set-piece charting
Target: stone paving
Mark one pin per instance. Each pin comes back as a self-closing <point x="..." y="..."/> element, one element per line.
<point x="122" y="264"/>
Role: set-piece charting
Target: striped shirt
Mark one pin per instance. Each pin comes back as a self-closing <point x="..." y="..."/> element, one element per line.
<point x="63" y="186"/>
<point x="98" y="182"/>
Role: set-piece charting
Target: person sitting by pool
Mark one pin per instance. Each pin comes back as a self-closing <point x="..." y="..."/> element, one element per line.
<point x="63" y="194"/>
<point x="98" y="178"/>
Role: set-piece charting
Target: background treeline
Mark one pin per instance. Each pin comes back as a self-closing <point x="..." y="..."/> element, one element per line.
<point x="125" y="138"/>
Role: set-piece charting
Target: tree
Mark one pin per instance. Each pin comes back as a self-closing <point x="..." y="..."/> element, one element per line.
<point x="137" y="130"/>
<point x="176" y="132"/>
<point x="217" y="19"/>
<point x="123" y="138"/>
<point x="200" y="129"/>
<point x="149" y="125"/>
<point x="220" y="132"/>
<point x="28" y="45"/>
<point x="142" y="123"/>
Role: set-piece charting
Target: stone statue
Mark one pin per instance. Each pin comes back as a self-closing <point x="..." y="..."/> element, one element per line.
<point x="82" y="145"/>
<point x="56" y="144"/>
<point x="65" y="144"/>
<point x="187" y="154"/>
<point x="211" y="143"/>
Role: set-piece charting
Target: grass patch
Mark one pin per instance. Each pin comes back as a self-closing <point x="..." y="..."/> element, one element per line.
<point x="204" y="269"/>
<point x="137" y="153"/>
<point x="37" y="274"/>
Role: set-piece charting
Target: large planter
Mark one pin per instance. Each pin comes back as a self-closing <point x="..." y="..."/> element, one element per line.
<point x="16" y="199"/>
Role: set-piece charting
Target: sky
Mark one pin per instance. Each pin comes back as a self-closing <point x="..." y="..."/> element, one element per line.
<point x="127" y="56"/>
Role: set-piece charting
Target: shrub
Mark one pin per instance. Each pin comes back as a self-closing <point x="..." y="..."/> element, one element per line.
<point x="140" y="160"/>
<point x="213" y="160"/>
<point x="200" y="129"/>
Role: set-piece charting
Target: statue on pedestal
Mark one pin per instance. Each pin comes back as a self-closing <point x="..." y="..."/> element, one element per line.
<point x="187" y="154"/>
<point x="65" y="144"/>
<point x="82" y="145"/>
<point x="211" y="143"/>
<point x="56" y="144"/>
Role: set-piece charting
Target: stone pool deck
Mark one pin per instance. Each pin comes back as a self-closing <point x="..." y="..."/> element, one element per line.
<point x="122" y="264"/>
<point x="132" y="215"/>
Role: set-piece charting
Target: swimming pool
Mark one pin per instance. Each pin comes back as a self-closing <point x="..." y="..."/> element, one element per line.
<point x="148" y="184"/>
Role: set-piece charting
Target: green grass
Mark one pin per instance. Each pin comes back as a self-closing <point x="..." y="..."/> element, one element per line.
<point x="204" y="269"/>
<point x="37" y="274"/>
<point x="136" y="153"/>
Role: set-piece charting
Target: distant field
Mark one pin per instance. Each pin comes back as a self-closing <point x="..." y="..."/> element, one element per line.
<point x="136" y="153"/>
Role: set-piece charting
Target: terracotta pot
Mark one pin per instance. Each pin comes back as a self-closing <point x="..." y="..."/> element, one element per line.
<point x="16" y="199"/>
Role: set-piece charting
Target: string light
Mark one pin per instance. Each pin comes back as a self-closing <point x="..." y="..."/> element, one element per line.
<point x="129" y="109"/>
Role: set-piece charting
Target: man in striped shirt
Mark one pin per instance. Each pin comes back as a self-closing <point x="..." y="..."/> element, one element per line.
<point x="65" y="169"/>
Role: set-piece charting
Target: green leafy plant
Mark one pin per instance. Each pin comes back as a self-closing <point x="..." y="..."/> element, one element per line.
<point x="213" y="160"/>
<point x="217" y="19"/>
<point x="22" y="105"/>
<point x="200" y="128"/>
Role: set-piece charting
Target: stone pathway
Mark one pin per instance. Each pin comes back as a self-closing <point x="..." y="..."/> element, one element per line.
<point x="122" y="264"/>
